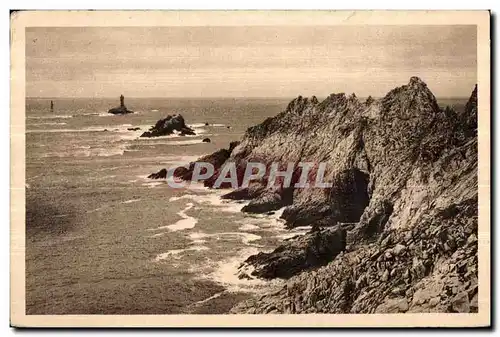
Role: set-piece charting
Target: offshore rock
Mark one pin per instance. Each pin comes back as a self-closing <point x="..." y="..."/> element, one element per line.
<point x="168" y="126"/>
<point x="122" y="109"/>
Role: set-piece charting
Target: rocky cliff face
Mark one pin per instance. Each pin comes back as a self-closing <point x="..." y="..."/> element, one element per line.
<point x="404" y="176"/>
<point x="404" y="196"/>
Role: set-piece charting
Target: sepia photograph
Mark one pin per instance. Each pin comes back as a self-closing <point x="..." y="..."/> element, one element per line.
<point x="305" y="168"/>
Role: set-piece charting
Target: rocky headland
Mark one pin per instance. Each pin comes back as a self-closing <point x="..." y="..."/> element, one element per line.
<point x="169" y="125"/>
<point x="396" y="232"/>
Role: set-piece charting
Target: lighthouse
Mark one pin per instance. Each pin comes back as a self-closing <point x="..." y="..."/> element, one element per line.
<point x="122" y="109"/>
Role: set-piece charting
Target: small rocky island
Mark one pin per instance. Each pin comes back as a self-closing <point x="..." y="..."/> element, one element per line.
<point x="122" y="109"/>
<point x="168" y="126"/>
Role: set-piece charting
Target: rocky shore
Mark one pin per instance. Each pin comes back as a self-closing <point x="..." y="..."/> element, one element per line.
<point x="396" y="232"/>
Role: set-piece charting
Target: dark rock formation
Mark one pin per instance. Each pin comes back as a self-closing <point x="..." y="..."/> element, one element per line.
<point x="217" y="159"/>
<point x="162" y="174"/>
<point x="168" y="126"/>
<point x="294" y="256"/>
<point x="122" y="109"/>
<point x="254" y="190"/>
<point x="133" y="129"/>
<point x="206" y="140"/>
<point x="346" y="201"/>
<point x="269" y="200"/>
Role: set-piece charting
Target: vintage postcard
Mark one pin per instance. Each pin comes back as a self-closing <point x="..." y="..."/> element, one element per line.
<point x="250" y="169"/>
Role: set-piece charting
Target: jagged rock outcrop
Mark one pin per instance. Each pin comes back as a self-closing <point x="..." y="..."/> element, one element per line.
<point x="168" y="126"/>
<point x="404" y="187"/>
<point x="295" y="255"/>
<point x="404" y="174"/>
<point x="374" y="150"/>
<point x="161" y="174"/>
<point x="369" y="100"/>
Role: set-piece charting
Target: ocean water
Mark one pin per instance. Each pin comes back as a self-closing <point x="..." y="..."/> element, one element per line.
<point x="103" y="239"/>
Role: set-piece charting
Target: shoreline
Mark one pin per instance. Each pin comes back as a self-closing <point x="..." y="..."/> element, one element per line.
<point x="367" y="211"/>
<point x="309" y="221"/>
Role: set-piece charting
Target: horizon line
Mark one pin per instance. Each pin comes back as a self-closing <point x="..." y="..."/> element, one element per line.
<point x="209" y="97"/>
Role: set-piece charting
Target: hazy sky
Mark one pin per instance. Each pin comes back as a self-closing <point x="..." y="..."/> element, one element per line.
<point x="255" y="61"/>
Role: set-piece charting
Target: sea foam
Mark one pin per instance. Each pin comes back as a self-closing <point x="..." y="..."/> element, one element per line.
<point x="186" y="222"/>
<point x="176" y="253"/>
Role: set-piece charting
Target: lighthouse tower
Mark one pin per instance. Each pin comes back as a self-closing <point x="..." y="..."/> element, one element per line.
<point x="122" y="109"/>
